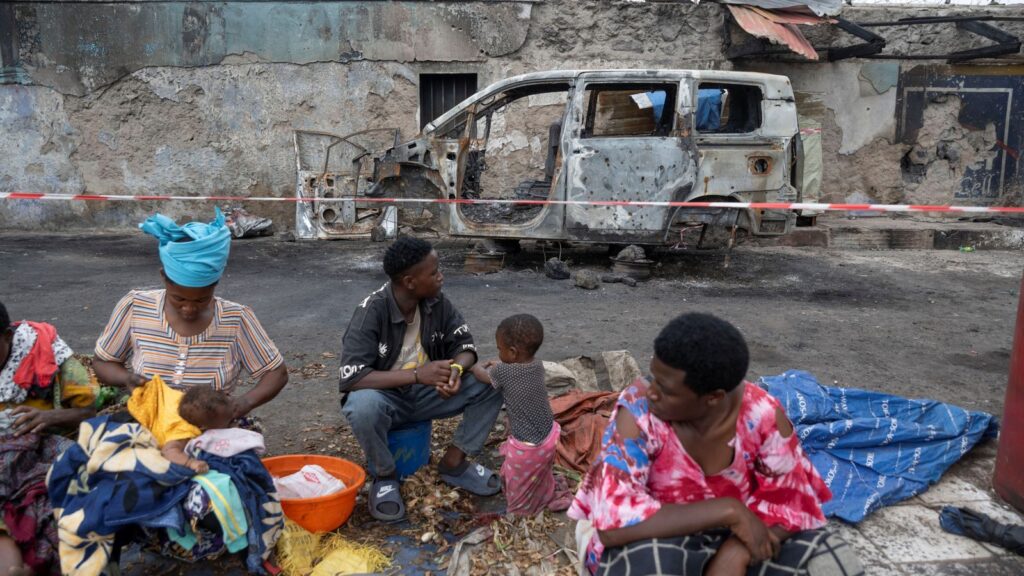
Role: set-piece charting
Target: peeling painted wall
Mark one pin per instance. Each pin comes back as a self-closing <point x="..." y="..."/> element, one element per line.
<point x="964" y="126"/>
<point x="944" y="150"/>
<point x="202" y="98"/>
<point x="945" y="158"/>
<point x="81" y="48"/>
<point x="860" y="157"/>
<point x="962" y="147"/>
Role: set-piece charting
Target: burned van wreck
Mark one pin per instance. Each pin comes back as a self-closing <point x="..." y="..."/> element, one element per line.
<point x="593" y="136"/>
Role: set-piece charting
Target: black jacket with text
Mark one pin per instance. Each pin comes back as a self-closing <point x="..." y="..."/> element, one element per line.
<point x="373" y="339"/>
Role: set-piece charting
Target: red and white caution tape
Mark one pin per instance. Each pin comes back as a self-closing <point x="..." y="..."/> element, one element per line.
<point x="639" y="203"/>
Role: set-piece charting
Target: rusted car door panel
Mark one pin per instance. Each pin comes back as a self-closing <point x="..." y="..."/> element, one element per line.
<point x="753" y="166"/>
<point x="603" y="170"/>
<point x="622" y="168"/>
<point x="753" y="169"/>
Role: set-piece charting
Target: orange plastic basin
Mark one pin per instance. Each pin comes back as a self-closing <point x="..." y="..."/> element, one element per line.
<point x="324" y="513"/>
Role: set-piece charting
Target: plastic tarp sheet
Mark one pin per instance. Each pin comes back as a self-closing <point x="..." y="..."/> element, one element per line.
<point x="810" y="114"/>
<point x="709" y="109"/>
<point x="583" y="417"/>
<point x="875" y="449"/>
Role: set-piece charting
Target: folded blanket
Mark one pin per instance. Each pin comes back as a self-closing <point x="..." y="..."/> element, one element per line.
<point x="227" y="442"/>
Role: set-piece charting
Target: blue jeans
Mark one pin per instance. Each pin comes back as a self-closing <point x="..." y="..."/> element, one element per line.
<point x="372" y="413"/>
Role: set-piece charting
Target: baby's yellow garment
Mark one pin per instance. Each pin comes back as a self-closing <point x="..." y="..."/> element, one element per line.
<point x="155" y="406"/>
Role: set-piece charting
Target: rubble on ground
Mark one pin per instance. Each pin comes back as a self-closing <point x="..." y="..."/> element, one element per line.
<point x="632" y="253"/>
<point x="587" y="280"/>
<point x="619" y="279"/>
<point x="556" y="269"/>
<point x="242" y="224"/>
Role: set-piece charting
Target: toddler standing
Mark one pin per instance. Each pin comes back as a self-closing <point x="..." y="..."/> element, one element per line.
<point x="527" y="477"/>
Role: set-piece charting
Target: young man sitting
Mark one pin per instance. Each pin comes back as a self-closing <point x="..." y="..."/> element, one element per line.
<point x="406" y="358"/>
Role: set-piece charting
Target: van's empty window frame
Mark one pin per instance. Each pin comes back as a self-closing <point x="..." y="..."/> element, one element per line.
<point x="735" y="91"/>
<point x="668" y="118"/>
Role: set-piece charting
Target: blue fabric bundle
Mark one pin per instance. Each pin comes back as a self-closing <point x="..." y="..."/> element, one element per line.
<point x="259" y="496"/>
<point x="875" y="449"/>
<point x="193" y="255"/>
<point x="975" y="525"/>
<point x="709" y="109"/>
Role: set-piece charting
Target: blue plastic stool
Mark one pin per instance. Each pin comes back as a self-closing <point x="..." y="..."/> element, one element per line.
<point x="410" y="447"/>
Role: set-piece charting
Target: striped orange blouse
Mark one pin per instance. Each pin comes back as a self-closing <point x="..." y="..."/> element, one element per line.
<point x="139" y="332"/>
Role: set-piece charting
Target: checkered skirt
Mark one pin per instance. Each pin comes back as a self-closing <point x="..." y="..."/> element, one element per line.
<point x="808" y="553"/>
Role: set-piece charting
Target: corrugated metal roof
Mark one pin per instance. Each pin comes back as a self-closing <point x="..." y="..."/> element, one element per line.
<point x="778" y="26"/>
<point x="819" y="7"/>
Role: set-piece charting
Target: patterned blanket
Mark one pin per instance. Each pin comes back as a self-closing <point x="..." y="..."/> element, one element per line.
<point x="112" y="477"/>
<point x="115" y="476"/>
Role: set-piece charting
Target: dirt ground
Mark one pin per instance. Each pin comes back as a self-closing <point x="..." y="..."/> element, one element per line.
<point x="936" y="324"/>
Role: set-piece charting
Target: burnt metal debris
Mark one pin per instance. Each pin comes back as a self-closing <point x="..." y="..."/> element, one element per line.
<point x="873" y="43"/>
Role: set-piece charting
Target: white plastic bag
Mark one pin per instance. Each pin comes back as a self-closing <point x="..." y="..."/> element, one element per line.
<point x="312" y="481"/>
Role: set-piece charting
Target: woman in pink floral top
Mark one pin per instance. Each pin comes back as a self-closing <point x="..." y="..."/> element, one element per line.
<point x="701" y="473"/>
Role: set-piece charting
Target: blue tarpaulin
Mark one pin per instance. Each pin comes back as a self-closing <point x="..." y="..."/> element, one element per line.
<point x="657" y="99"/>
<point x="875" y="449"/>
<point x="709" y="109"/>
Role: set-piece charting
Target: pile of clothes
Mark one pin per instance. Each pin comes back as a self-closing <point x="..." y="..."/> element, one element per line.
<point x="115" y="480"/>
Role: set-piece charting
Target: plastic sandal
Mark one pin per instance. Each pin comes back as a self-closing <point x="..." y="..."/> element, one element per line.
<point x="384" y="491"/>
<point x="476" y="479"/>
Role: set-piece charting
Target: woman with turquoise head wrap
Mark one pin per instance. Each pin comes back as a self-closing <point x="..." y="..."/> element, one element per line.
<point x="184" y="333"/>
<point x="189" y="337"/>
<point x="193" y="255"/>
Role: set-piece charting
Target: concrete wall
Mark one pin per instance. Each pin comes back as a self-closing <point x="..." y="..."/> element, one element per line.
<point x="854" y="120"/>
<point x="197" y="98"/>
<point x="859" y="104"/>
<point x="202" y="98"/>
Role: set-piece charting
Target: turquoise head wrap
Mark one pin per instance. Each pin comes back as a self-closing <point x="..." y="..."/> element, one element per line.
<point x="198" y="262"/>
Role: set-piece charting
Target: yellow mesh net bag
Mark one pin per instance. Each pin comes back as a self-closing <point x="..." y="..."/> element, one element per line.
<point x="297" y="549"/>
<point x="302" y="553"/>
